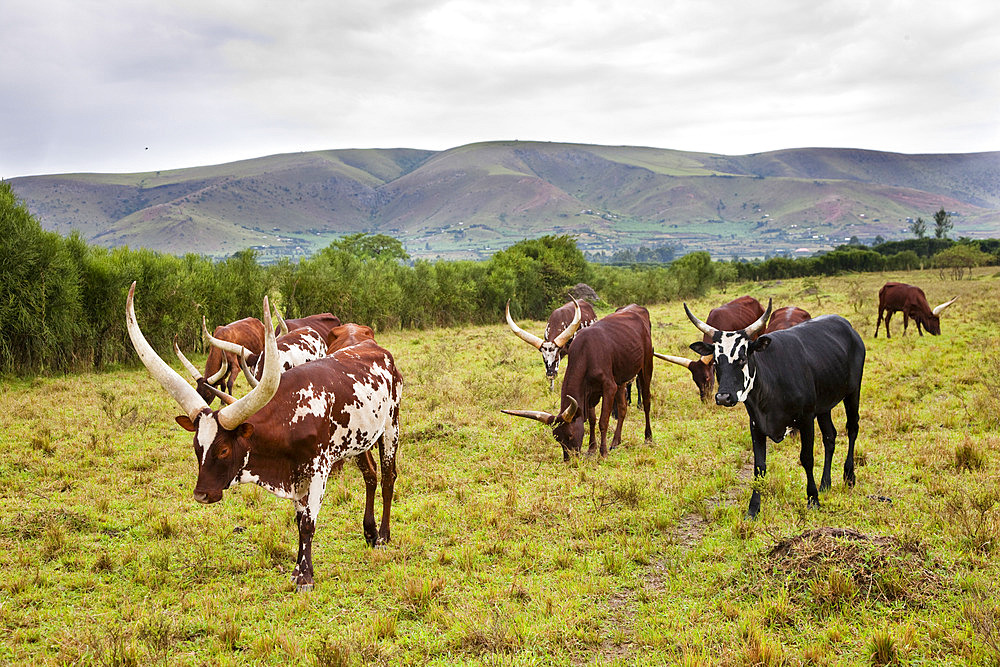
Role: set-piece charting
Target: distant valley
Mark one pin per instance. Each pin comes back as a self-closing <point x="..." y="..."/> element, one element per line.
<point x="467" y="202"/>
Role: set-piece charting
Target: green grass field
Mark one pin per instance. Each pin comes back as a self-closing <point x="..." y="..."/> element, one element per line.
<point x="504" y="555"/>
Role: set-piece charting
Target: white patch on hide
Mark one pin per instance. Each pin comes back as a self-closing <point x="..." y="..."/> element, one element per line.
<point x="208" y="428"/>
<point x="311" y="402"/>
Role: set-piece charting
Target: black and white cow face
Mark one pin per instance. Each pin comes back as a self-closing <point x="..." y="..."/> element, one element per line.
<point x="735" y="368"/>
<point x="221" y="454"/>
<point x="550" y="355"/>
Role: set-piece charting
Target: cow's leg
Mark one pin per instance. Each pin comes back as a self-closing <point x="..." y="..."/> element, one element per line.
<point x="592" y="423"/>
<point x="387" y="445"/>
<point x="609" y="398"/>
<point x="888" y="316"/>
<point x="829" y="442"/>
<point x="807" y="430"/>
<point x="759" y="466"/>
<point x="306" y="509"/>
<point x="645" y="379"/>
<point x="851" y="404"/>
<point x="906" y="322"/>
<point x="366" y="462"/>
<point x="621" y="402"/>
<point x="234" y="371"/>
<point x="879" y="321"/>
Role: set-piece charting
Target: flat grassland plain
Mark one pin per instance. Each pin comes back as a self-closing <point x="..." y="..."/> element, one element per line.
<point x="502" y="553"/>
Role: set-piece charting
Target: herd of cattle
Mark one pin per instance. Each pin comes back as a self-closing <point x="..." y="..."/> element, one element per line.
<point x="322" y="391"/>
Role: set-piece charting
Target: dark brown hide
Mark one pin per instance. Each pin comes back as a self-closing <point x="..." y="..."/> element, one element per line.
<point x="561" y="318"/>
<point x="322" y="323"/>
<point x="910" y="300"/>
<point x="785" y="318"/>
<point x="248" y="332"/>
<point x="606" y="357"/>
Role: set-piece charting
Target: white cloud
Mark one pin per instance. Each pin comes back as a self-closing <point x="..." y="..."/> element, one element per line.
<point x="90" y="85"/>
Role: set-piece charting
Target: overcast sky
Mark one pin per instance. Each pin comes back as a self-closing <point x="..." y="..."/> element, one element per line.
<point x="126" y="85"/>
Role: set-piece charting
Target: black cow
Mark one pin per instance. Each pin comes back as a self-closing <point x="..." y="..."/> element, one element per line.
<point x="788" y="378"/>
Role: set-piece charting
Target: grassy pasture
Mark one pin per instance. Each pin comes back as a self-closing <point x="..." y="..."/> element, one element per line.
<point x="503" y="554"/>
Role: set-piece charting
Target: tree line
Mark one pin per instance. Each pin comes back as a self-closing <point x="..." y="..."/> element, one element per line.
<point x="62" y="300"/>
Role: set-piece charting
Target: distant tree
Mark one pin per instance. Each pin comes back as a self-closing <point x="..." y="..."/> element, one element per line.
<point x="919" y="228"/>
<point x="879" y="240"/>
<point x="942" y="224"/>
<point x="371" y="246"/>
<point x="855" y="241"/>
<point x="959" y="259"/>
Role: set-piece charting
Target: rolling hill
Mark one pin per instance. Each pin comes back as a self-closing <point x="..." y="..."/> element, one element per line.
<point x="468" y="201"/>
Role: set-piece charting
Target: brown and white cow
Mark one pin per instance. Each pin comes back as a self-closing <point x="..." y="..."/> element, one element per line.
<point x="560" y="329"/>
<point x="288" y="431"/>
<point x="606" y="357"/>
<point x="910" y="300"/>
<point x="786" y="318"/>
<point x="731" y="316"/>
<point x="221" y="368"/>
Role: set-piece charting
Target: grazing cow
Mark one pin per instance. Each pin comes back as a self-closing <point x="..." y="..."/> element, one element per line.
<point x="348" y="334"/>
<point x="911" y="301"/>
<point x="248" y="333"/>
<point x="288" y="431"/>
<point x="788" y="378"/>
<point x="736" y="314"/>
<point x="294" y="349"/>
<point x="606" y="357"/>
<point x="786" y="318"/>
<point x="562" y="326"/>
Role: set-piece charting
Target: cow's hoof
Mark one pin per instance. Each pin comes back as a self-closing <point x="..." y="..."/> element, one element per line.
<point x="304" y="588"/>
<point x="849" y="480"/>
<point x="813" y="503"/>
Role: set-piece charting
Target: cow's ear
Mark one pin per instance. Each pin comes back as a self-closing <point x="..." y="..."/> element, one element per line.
<point x="185" y="422"/>
<point x="702" y="348"/>
<point x="760" y="344"/>
<point x="244" y="430"/>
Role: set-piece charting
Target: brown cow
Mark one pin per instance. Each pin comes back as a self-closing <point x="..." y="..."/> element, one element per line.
<point x="286" y="434"/>
<point x="606" y="357"/>
<point x="732" y="316"/>
<point x="562" y="325"/>
<point x="323" y="323"/>
<point x="911" y="301"/>
<point x="348" y="334"/>
<point x="248" y="333"/>
<point x="786" y="318"/>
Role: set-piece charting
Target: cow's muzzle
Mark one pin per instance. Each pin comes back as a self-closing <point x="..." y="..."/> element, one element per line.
<point x="726" y="400"/>
<point x="207" y="498"/>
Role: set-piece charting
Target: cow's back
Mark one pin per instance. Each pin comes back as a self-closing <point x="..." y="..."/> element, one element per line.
<point x="824" y="356"/>
<point x="622" y="338"/>
<point x="733" y="316"/>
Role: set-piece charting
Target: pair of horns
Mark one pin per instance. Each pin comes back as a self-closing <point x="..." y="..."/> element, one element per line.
<point x="937" y="310"/>
<point x="547" y="418"/>
<point x="684" y="361"/>
<point x="750" y="331"/>
<point x="558" y="341"/>
<point x="191" y="403"/>
<point x="199" y="378"/>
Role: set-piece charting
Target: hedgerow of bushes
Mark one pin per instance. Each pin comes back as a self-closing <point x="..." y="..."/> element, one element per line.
<point x="62" y="301"/>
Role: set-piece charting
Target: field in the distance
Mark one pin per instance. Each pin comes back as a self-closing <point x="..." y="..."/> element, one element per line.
<point x="502" y="553"/>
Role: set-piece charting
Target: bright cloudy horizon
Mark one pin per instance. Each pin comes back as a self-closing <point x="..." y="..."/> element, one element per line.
<point x="116" y="86"/>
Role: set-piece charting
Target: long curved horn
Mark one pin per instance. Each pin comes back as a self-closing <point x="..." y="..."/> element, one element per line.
<point x="543" y="417"/>
<point x="937" y="310"/>
<point x="281" y="321"/>
<point x="570" y="411"/>
<point x="233" y="415"/>
<point x="758" y="326"/>
<point x="528" y="338"/>
<point x="251" y="380"/>
<point x="199" y="378"/>
<point x="219" y="374"/>
<point x="191" y="368"/>
<point x="224" y="345"/>
<point x="169" y="379"/>
<point x="706" y="329"/>
<point x="680" y="361"/>
<point x="571" y="330"/>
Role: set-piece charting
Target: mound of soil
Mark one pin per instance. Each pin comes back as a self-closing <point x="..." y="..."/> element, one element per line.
<point x="841" y="563"/>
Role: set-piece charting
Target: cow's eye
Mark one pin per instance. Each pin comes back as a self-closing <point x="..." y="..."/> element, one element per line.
<point x="224" y="452"/>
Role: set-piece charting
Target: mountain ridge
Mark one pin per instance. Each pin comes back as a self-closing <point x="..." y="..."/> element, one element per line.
<point x="470" y="200"/>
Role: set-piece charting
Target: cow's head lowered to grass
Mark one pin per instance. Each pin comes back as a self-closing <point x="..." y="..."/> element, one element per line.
<point x="733" y="354"/>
